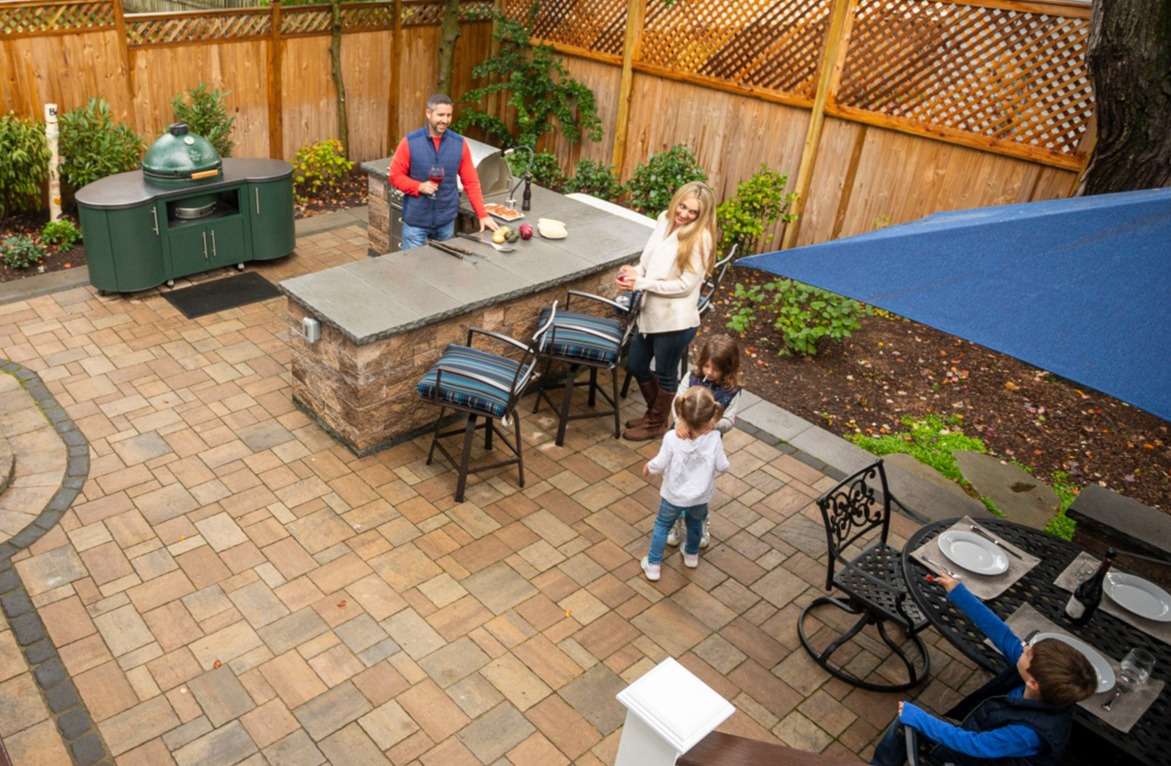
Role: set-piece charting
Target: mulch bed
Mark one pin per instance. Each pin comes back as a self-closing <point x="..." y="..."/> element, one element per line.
<point x="351" y="194"/>
<point x="894" y="368"/>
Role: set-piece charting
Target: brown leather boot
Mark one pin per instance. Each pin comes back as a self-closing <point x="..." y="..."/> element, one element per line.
<point x="650" y="390"/>
<point x="656" y="422"/>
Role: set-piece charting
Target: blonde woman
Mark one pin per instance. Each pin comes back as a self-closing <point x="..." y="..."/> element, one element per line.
<point x="674" y="262"/>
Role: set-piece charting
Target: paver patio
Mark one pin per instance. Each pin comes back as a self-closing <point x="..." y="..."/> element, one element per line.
<point x="240" y="588"/>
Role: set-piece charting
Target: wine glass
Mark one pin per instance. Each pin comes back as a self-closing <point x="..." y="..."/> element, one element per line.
<point x="435" y="175"/>
<point x="1134" y="670"/>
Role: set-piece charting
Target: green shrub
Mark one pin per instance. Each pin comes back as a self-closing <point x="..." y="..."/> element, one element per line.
<point x="656" y="181"/>
<point x="206" y="115"/>
<point x="62" y="234"/>
<point x="20" y="252"/>
<point x="319" y="169"/>
<point x="931" y="440"/>
<point x="93" y="146"/>
<point x="760" y="202"/>
<point x="24" y="163"/>
<point x="545" y="168"/>
<point x="801" y="313"/>
<point x="595" y="178"/>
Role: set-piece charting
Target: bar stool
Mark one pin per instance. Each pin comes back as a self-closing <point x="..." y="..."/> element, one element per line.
<point x="485" y="386"/>
<point x="590" y="341"/>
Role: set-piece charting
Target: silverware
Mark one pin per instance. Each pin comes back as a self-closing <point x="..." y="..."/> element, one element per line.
<point x="980" y="531"/>
<point x="480" y="240"/>
<point x="1118" y="692"/>
<point x="1029" y="638"/>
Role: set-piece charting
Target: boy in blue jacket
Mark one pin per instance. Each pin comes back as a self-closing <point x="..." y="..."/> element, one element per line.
<point x="1021" y="717"/>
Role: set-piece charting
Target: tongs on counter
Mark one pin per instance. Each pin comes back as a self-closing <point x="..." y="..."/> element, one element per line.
<point x="458" y="252"/>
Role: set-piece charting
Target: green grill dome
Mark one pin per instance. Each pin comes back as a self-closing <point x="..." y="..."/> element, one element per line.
<point x="179" y="158"/>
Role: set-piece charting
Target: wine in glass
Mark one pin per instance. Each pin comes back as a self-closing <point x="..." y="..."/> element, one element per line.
<point x="435" y="175"/>
<point x="1134" y="670"/>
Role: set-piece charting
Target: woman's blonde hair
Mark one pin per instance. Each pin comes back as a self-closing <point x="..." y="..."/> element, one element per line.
<point x="700" y="233"/>
<point x="696" y="407"/>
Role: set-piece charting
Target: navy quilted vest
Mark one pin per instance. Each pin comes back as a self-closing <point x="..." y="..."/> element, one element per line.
<point x="440" y="210"/>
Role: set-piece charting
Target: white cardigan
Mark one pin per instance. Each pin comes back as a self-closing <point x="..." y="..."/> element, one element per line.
<point x="672" y="298"/>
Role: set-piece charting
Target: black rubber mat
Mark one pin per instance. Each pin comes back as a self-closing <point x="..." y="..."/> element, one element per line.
<point x="222" y="294"/>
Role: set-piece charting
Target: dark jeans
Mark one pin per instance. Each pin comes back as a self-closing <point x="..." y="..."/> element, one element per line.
<point x="666" y="349"/>
<point x="892" y="748"/>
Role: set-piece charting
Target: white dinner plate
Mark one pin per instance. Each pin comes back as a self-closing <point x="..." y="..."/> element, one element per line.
<point x="972" y="552"/>
<point x="1137" y="595"/>
<point x="1101" y="666"/>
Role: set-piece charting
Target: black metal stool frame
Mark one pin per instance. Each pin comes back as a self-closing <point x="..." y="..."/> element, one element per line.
<point x="527" y="361"/>
<point x="571" y="383"/>
<point x="853" y="505"/>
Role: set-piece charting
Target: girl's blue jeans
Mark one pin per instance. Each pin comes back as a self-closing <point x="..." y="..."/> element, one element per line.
<point x="693" y="517"/>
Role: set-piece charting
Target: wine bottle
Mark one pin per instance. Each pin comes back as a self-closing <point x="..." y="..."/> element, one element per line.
<point x="1088" y="595"/>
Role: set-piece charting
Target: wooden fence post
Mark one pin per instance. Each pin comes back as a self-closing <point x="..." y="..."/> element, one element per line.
<point x="124" y="54"/>
<point x="276" y="105"/>
<point x="829" y="74"/>
<point x="635" y="11"/>
<point x="393" y="104"/>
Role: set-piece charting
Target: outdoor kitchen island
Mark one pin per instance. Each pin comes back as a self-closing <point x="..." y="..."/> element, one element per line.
<point x="384" y="321"/>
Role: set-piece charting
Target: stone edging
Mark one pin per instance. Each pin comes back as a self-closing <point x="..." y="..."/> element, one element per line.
<point x="65" y="705"/>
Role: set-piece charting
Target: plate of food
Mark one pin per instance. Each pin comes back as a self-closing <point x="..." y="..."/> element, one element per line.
<point x="503" y="212"/>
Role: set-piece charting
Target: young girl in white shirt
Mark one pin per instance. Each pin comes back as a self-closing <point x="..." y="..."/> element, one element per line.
<point x="689" y="460"/>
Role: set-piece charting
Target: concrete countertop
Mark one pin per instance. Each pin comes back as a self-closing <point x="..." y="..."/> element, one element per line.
<point x="394" y="293"/>
<point x="123" y="190"/>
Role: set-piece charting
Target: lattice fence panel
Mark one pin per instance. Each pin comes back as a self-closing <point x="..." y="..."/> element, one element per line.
<point x="365" y="17"/>
<point x="594" y="25"/>
<point x="1003" y="74"/>
<point x="306" y="20"/>
<point x="430" y="12"/>
<point x="770" y="44"/>
<point x="143" y="30"/>
<point x="30" y="18"/>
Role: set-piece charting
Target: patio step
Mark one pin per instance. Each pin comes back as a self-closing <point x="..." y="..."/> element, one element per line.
<point x="7" y="464"/>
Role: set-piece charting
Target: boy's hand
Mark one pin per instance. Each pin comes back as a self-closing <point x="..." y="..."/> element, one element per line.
<point x="901" y="708"/>
<point x="948" y="583"/>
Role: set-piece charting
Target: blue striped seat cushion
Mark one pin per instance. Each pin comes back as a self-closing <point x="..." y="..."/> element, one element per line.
<point x="472" y="392"/>
<point x="566" y="338"/>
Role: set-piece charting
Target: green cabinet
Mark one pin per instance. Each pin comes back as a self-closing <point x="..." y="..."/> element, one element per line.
<point x="204" y="245"/>
<point x="135" y="234"/>
<point x="272" y="226"/>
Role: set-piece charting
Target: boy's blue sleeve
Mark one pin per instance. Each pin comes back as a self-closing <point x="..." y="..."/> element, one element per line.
<point x="989" y="624"/>
<point x="1016" y="740"/>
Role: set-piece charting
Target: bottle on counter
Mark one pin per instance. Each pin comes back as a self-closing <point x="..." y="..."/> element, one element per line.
<point x="1084" y="600"/>
<point x="527" y="202"/>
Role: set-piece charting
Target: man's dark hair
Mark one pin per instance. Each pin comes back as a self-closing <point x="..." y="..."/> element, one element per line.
<point x="438" y="99"/>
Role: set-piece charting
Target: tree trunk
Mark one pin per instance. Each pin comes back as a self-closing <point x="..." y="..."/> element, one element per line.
<point x="1130" y="64"/>
<point x="339" y="83"/>
<point x="449" y="32"/>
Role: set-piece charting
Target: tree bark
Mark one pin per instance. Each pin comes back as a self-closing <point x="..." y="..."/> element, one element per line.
<point x="449" y="32"/>
<point x="1130" y="64"/>
<point x="339" y="83"/>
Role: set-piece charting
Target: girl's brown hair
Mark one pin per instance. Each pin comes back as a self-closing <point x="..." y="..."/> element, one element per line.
<point x="699" y="235"/>
<point x="724" y="354"/>
<point x="696" y="407"/>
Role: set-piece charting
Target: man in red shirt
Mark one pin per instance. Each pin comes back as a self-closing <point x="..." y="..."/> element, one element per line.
<point x="424" y="168"/>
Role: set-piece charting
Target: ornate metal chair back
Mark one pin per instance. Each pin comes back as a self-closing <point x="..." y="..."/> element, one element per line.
<point x="854" y="508"/>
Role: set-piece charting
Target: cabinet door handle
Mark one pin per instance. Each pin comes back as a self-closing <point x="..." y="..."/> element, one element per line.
<point x="214" y="254"/>
<point x="204" y="233"/>
<point x="154" y="212"/>
<point x="257" y="190"/>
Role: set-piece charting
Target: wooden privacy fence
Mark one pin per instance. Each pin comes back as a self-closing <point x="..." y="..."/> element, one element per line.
<point x="273" y="61"/>
<point x="1004" y="77"/>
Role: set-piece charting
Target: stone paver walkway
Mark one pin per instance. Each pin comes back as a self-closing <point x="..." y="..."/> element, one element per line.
<point x="233" y="586"/>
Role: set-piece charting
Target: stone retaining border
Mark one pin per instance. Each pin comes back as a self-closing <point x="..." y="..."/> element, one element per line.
<point x="66" y="707"/>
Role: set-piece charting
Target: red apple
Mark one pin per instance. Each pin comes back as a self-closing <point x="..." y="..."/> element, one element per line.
<point x="526" y="231"/>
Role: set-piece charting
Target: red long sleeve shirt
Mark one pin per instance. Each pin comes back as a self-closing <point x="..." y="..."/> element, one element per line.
<point x="400" y="169"/>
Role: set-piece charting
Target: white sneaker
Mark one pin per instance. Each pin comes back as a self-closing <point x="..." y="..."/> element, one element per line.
<point x="677" y="533"/>
<point x="652" y="571"/>
<point x="706" y="537"/>
<point x="690" y="560"/>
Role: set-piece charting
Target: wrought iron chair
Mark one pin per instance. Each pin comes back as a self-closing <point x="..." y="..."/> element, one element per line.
<point x="590" y="341"/>
<point x="873" y="581"/>
<point x="711" y="285"/>
<point x="485" y="386"/>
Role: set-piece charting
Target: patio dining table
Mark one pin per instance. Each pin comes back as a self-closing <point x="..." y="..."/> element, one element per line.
<point x="1147" y="741"/>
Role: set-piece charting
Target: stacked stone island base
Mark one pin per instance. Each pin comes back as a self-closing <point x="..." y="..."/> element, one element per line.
<point x="385" y="321"/>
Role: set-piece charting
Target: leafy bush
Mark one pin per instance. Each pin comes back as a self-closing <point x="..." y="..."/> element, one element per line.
<point x="546" y="169"/>
<point x="93" y="146"/>
<point x="931" y="440"/>
<point x="597" y="179"/>
<point x="535" y="84"/>
<point x="759" y="203"/>
<point x="62" y="234"/>
<point x="206" y="115"/>
<point x="24" y="163"/>
<point x="319" y="169"/>
<point x="20" y="252"/>
<point x="655" y="181"/>
<point x="801" y="313"/>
